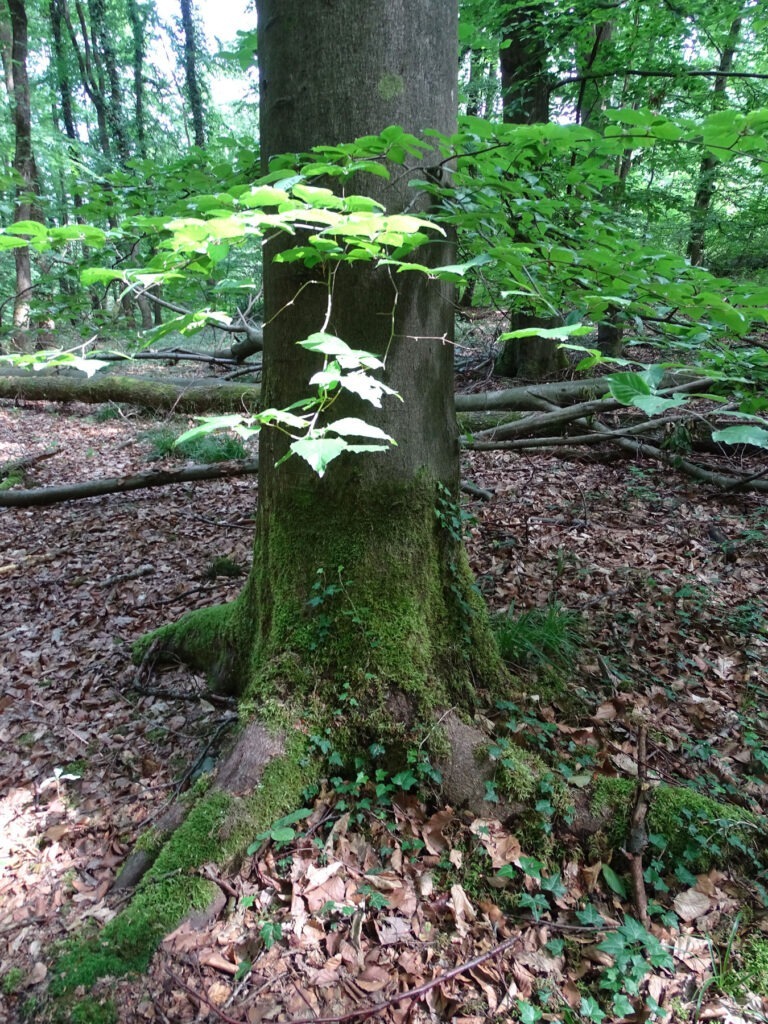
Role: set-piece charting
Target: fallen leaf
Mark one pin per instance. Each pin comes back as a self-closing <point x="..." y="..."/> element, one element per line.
<point x="691" y="904"/>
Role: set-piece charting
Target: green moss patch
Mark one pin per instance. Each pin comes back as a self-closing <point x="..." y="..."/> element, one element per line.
<point x="698" y="832"/>
<point x="217" y="829"/>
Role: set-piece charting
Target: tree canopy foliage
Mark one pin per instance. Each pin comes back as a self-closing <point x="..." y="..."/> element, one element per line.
<point x="609" y="170"/>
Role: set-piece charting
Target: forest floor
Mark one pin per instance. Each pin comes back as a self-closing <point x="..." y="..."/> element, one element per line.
<point x="668" y="581"/>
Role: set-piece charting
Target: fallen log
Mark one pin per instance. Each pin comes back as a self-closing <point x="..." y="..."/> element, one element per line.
<point x="41" y="496"/>
<point x="565" y="392"/>
<point x="211" y="395"/>
<point x="723" y="481"/>
<point x="26" y="462"/>
<point x="194" y="397"/>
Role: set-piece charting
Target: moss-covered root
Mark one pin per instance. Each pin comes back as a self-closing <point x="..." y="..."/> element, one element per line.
<point x="218" y="829"/>
<point x="698" y="832"/>
<point x="206" y="639"/>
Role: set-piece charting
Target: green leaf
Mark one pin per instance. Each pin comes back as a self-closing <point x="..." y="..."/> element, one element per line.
<point x="99" y="275"/>
<point x="590" y="916"/>
<point x="366" y="387"/>
<point x="217" y="251"/>
<point x="590" y="1008"/>
<point x="531" y="866"/>
<point x="264" y="195"/>
<point x="622" y="1007"/>
<point x="555" y="333"/>
<point x="614" y="881"/>
<point x="86" y="233"/>
<point x="209" y="424"/>
<point x="349" y="425"/>
<point x="328" y="344"/>
<point x="742" y="434"/>
<point x="652" y="405"/>
<point x="284" y="834"/>
<point x="667" y="130"/>
<point x="244" y="967"/>
<point x="319" y="453"/>
<point x="32" y="228"/>
<point x="88" y="366"/>
<point x="625" y="387"/>
<point x="460" y="269"/>
<point x="270" y="416"/>
<point x="626" y="115"/>
<point x="7" y="242"/>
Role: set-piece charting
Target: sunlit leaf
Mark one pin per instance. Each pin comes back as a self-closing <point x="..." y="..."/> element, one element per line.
<point x="351" y="426"/>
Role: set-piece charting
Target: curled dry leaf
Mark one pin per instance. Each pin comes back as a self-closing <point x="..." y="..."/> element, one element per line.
<point x="501" y="845"/>
<point x="691" y="904"/>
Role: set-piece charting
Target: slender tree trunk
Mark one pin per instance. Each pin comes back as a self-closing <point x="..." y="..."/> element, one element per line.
<point x="138" y="29"/>
<point x="56" y="17"/>
<point x="191" y="54"/>
<point x="109" y="78"/>
<point x="591" y="100"/>
<point x="705" y="188"/>
<point x="477" y="85"/>
<point x="23" y="160"/>
<point x="89" y="76"/>
<point x="523" y="61"/>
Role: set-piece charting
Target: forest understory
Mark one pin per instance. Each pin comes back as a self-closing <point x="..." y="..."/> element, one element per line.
<point x="656" y="585"/>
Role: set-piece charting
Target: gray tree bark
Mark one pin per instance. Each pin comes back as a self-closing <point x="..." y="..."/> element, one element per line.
<point x="426" y="641"/>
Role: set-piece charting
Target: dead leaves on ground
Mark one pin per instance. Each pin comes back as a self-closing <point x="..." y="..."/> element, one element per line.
<point x="677" y="634"/>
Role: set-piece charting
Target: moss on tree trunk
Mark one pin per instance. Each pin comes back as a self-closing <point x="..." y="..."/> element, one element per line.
<point x="364" y="615"/>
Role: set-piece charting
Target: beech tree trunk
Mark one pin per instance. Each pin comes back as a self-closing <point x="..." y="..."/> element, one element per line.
<point x="360" y="584"/>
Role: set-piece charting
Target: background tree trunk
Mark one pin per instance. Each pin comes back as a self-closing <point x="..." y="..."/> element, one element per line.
<point x="533" y="358"/>
<point x="102" y="45"/>
<point x="138" y="19"/>
<point x="23" y="162"/>
<point x="523" y="62"/>
<point x="705" y="188"/>
<point x="191" y="55"/>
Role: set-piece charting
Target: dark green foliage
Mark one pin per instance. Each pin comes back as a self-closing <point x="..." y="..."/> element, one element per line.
<point x="551" y="636"/>
<point x="204" y="450"/>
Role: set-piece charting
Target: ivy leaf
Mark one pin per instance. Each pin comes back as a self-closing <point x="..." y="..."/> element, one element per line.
<point x="590" y="916"/>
